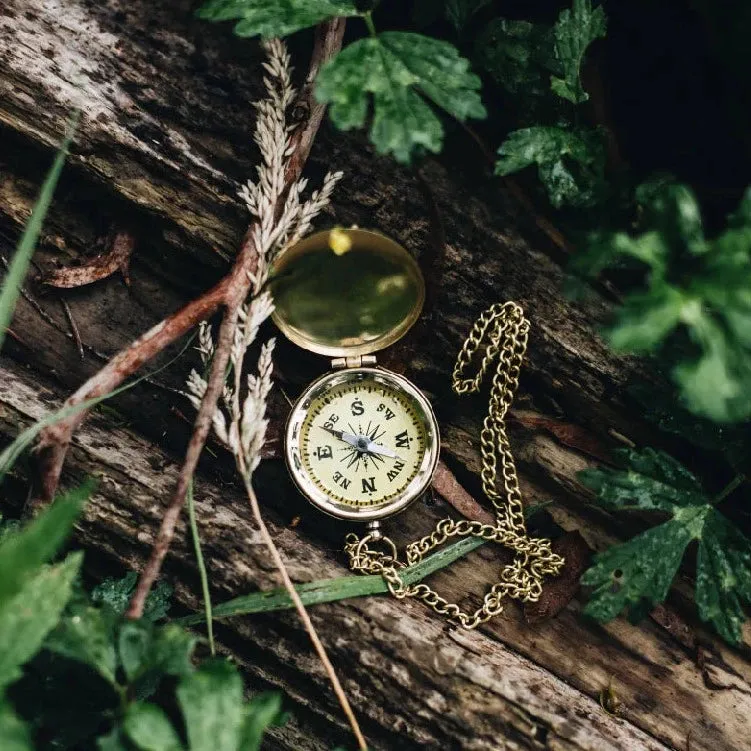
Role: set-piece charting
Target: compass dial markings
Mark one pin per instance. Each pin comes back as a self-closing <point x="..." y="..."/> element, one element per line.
<point x="358" y="477"/>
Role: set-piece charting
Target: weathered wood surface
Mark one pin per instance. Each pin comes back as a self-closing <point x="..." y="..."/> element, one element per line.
<point x="163" y="144"/>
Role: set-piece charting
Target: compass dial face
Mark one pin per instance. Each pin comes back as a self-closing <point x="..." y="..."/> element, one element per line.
<point x="362" y="443"/>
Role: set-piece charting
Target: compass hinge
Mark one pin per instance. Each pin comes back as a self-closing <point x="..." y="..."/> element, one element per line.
<point x="358" y="361"/>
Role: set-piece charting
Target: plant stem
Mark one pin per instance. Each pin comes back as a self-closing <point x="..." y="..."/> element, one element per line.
<point x="729" y="488"/>
<point x="369" y="23"/>
<point x="201" y="568"/>
<point x="201" y="429"/>
<point x="300" y="607"/>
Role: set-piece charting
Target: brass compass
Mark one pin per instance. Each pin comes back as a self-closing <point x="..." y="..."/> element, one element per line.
<point x="361" y="442"/>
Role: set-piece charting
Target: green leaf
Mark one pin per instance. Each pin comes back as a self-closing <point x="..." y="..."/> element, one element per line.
<point x="133" y="642"/>
<point x="150" y="728"/>
<point x="113" y="741"/>
<point x="14" y="735"/>
<point x="87" y="635"/>
<point x="340" y="588"/>
<point x="27" y="618"/>
<point x="275" y="18"/>
<point x="211" y="700"/>
<point x="643" y="321"/>
<point x="693" y="306"/>
<point x="574" y="31"/>
<point x="401" y="71"/>
<point x="570" y="162"/>
<point x="116" y="593"/>
<point x="637" y="574"/>
<point x="19" y="266"/>
<point x="148" y="653"/>
<point x="518" y="54"/>
<point x="263" y="712"/>
<point x="638" y="570"/>
<point x="207" y="605"/>
<point x="23" y="553"/>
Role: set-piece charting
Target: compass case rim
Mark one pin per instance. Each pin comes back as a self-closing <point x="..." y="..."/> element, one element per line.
<point x="320" y="499"/>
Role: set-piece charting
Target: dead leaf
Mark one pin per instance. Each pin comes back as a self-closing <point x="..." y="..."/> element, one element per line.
<point x="569" y="434"/>
<point x="98" y="268"/>
<point x="449" y="488"/>
<point x="558" y="591"/>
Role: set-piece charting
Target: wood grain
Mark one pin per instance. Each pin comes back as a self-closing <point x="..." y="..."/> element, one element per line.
<point x="163" y="146"/>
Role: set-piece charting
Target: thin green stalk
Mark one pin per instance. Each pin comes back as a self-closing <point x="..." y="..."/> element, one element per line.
<point x="201" y="567"/>
<point x="369" y="23"/>
<point x="19" y="264"/>
<point x="729" y="488"/>
<point x="341" y="588"/>
<point x="25" y="438"/>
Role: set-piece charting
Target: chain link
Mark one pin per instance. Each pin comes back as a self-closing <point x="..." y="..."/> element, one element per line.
<point x="502" y="331"/>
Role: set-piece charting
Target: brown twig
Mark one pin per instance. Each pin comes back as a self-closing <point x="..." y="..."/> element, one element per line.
<point x="55" y="439"/>
<point x="201" y="429"/>
<point x="327" y="42"/>
<point x="73" y="327"/>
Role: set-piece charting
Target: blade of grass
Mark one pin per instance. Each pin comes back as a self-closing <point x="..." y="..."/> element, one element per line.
<point x="201" y="567"/>
<point x="19" y="265"/>
<point x="341" y="588"/>
<point x="344" y="587"/>
<point x="26" y="437"/>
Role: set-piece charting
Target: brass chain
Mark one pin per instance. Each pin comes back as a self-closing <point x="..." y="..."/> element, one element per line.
<point x="502" y="330"/>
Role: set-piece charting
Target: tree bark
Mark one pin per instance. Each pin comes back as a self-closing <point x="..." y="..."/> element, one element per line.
<point x="163" y="145"/>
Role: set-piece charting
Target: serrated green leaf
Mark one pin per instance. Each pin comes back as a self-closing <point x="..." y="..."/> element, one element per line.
<point x="211" y="700"/>
<point x="651" y="481"/>
<point x="116" y="593"/>
<point x="723" y="576"/>
<point x="400" y="70"/>
<point x="638" y="570"/>
<point x="14" y="734"/>
<point x="574" y="31"/>
<point x="570" y="162"/>
<point x="263" y="712"/>
<point x="148" y="654"/>
<point x="638" y="573"/>
<point x="27" y="618"/>
<point x="275" y="18"/>
<point x="518" y="54"/>
<point x="150" y="728"/>
<point x="23" y="553"/>
<point x="87" y="635"/>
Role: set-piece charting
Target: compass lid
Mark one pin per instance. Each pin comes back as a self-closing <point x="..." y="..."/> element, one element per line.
<point x="346" y="292"/>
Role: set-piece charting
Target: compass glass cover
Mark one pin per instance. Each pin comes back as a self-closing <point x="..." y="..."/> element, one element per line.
<point x="363" y="445"/>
